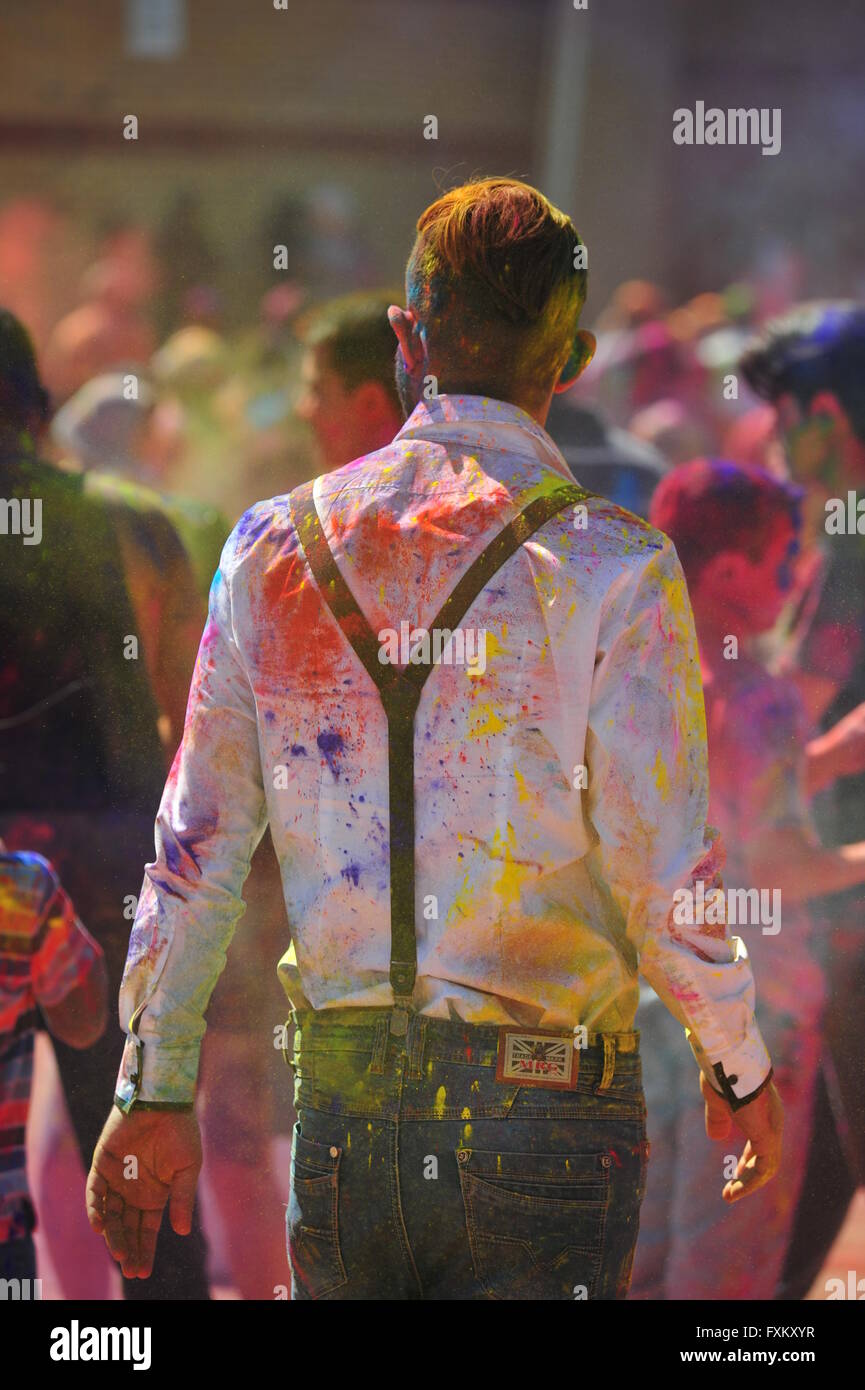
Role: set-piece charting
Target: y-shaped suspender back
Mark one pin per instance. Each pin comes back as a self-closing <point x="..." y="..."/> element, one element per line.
<point x="400" y="692"/>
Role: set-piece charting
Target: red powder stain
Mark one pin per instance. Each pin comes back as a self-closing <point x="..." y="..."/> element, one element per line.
<point x="615" y="1157"/>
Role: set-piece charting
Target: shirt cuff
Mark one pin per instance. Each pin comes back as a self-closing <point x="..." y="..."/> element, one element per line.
<point x="743" y="1069"/>
<point x="155" y="1076"/>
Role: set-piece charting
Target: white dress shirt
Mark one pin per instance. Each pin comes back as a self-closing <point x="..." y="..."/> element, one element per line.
<point x="560" y="783"/>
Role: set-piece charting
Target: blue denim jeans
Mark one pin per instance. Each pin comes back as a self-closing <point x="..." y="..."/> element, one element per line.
<point x="417" y="1175"/>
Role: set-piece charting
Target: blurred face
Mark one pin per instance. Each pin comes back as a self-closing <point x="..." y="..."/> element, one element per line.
<point x="347" y="423"/>
<point x="750" y="594"/>
<point x="810" y="442"/>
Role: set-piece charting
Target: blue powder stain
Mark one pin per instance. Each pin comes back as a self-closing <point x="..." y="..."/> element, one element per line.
<point x="270" y="715"/>
<point x="352" y="872"/>
<point x="298" y="750"/>
<point x="330" y="744"/>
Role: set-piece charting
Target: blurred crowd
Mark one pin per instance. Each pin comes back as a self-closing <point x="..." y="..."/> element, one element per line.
<point x="156" y="416"/>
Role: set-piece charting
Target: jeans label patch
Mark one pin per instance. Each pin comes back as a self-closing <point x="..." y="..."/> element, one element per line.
<point x="538" y="1059"/>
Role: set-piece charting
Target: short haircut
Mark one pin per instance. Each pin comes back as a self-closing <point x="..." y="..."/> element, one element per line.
<point x="356" y="335"/>
<point x="710" y="506"/>
<point x="23" y="399"/>
<point x="819" y="347"/>
<point x="491" y="277"/>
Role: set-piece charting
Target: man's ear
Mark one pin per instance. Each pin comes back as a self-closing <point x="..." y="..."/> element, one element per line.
<point x="409" y="336"/>
<point x="582" y="352"/>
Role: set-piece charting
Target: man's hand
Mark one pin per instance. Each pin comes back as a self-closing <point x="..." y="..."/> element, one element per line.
<point x="761" y="1122"/>
<point x="125" y="1200"/>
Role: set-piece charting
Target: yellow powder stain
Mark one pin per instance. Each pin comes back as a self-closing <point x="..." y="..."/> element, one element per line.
<point x="348" y="1143"/>
<point x="467" y="1133"/>
<point x="429" y="1067"/>
<point x="462" y="903"/>
<point x="659" y="772"/>
<point x="465" y="1113"/>
<point x="492" y="724"/>
<point x="504" y="632"/>
<point x="524" y="793"/>
<point x="499" y="1164"/>
<point x="508" y="884"/>
<point x="440" y="1102"/>
<point x="476" y="1086"/>
<point x="492" y="646"/>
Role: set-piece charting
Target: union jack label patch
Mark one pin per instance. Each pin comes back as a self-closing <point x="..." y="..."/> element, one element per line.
<point x="538" y="1059"/>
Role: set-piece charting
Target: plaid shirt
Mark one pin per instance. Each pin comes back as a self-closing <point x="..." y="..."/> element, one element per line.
<point x="540" y="888"/>
<point x="44" y="953"/>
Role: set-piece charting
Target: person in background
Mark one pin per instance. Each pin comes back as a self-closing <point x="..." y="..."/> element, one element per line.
<point x="98" y="624"/>
<point x="349" y="397"/>
<point x="50" y="967"/>
<point x="810" y="367"/>
<point x="122" y="439"/>
<point x="736" y="532"/>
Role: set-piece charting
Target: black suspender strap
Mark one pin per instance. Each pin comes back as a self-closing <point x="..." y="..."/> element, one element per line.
<point x="400" y="692"/>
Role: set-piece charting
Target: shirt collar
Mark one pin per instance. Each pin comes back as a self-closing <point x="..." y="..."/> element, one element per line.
<point x="479" y="419"/>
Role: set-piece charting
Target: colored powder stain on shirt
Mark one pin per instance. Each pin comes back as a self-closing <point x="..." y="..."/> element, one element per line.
<point x="524" y="793"/>
<point x="492" y="724"/>
<point x="440" y="1103"/>
<point x="659" y="773"/>
<point x="351" y="872"/>
<point x="508" y="884"/>
<point x="298" y="750"/>
<point x="331" y="745"/>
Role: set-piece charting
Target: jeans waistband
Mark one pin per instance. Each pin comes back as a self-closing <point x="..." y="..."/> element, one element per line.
<point x="440" y="1039"/>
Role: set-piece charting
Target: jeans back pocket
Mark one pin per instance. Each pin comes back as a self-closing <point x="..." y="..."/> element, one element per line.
<point x="312" y="1219"/>
<point x="535" y="1221"/>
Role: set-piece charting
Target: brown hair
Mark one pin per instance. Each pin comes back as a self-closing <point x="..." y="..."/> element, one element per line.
<point x="492" y="279"/>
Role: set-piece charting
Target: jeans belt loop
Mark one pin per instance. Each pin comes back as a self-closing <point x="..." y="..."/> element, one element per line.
<point x="609" y="1064"/>
<point x="379" y="1047"/>
<point x="418" y="1029"/>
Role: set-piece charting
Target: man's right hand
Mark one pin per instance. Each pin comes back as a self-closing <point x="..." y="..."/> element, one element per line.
<point x="125" y="1200"/>
<point x="761" y="1122"/>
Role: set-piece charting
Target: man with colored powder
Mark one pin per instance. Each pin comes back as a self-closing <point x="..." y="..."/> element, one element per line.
<point x="474" y="864"/>
<point x="736" y="534"/>
<point x="810" y="365"/>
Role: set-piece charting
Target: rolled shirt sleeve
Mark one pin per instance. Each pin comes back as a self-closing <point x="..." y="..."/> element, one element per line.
<point x="210" y="820"/>
<point x="648" y="802"/>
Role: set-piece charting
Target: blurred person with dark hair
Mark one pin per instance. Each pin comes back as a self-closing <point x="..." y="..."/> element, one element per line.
<point x="54" y="972"/>
<point x="810" y="366"/>
<point x="98" y="617"/>
<point x="736" y="532"/>
<point x="349" y="397"/>
<point x="468" y="918"/>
